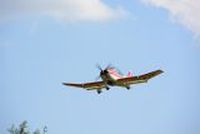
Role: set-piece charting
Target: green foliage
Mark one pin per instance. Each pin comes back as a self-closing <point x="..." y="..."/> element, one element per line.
<point x="23" y="129"/>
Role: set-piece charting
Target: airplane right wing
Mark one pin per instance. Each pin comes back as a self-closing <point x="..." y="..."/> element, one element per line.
<point x="88" y="85"/>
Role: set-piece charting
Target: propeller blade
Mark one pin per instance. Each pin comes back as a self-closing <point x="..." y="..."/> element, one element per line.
<point x="98" y="77"/>
<point x="108" y="66"/>
<point x="99" y="67"/>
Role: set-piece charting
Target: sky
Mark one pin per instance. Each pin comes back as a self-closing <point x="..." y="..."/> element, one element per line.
<point x="44" y="43"/>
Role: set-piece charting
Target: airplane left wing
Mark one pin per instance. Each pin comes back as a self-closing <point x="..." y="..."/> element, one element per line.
<point x="139" y="79"/>
<point x="88" y="85"/>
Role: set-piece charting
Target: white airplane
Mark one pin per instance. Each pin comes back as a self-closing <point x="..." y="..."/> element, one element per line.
<point x="112" y="77"/>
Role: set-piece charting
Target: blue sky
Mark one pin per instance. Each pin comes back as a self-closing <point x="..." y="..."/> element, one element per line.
<point x="45" y="43"/>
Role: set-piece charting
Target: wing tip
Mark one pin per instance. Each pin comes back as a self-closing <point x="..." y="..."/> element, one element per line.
<point x="63" y="83"/>
<point x="160" y="71"/>
<point x="157" y="72"/>
<point x="151" y="74"/>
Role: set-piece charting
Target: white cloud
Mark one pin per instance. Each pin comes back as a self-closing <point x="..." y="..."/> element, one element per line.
<point x="68" y="10"/>
<point x="186" y="12"/>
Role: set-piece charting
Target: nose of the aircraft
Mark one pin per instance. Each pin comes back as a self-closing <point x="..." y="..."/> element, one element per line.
<point x="105" y="71"/>
<point x="101" y="73"/>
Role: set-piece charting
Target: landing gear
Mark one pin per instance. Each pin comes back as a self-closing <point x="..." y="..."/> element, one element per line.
<point x="128" y="87"/>
<point x="99" y="91"/>
<point x="107" y="88"/>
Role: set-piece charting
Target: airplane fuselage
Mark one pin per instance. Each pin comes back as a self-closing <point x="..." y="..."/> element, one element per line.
<point x="108" y="79"/>
<point x="111" y="80"/>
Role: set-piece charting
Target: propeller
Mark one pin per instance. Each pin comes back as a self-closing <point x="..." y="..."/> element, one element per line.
<point x="102" y="71"/>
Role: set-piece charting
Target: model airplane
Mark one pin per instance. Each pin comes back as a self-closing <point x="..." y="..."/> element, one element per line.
<point x="112" y="77"/>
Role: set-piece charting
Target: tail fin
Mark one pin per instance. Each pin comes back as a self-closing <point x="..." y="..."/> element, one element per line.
<point x="129" y="74"/>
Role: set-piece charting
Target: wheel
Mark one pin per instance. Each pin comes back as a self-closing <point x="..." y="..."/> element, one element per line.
<point x="107" y="88"/>
<point x="99" y="91"/>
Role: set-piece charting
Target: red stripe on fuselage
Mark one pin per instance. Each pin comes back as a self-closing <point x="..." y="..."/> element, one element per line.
<point x="114" y="73"/>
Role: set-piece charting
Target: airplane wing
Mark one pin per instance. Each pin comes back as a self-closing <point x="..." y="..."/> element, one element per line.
<point x="139" y="79"/>
<point x="88" y="85"/>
